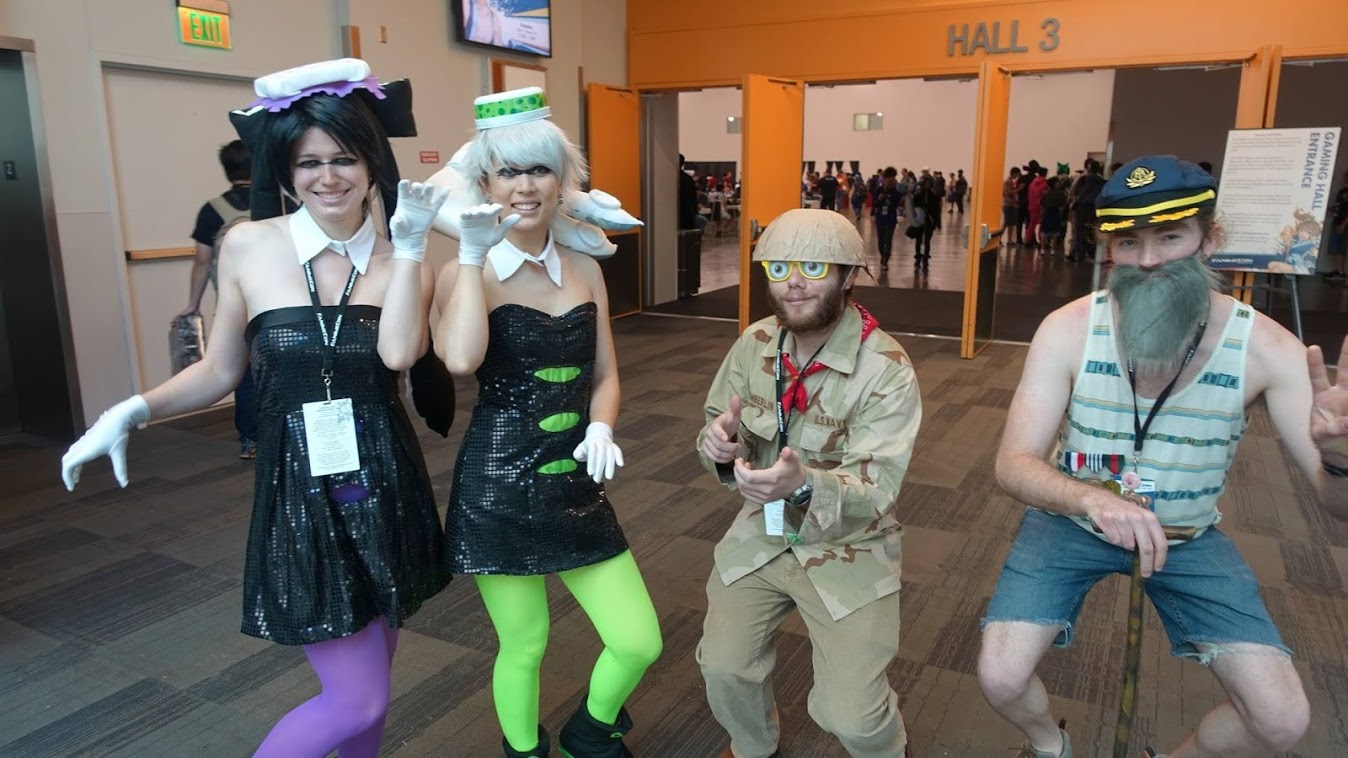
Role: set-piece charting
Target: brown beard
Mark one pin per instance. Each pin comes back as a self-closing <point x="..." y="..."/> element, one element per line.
<point x="1160" y="309"/>
<point x="827" y="310"/>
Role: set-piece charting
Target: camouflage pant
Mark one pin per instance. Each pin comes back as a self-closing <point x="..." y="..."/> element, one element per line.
<point x="851" y="697"/>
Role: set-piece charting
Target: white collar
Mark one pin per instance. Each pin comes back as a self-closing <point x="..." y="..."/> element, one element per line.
<point x="310" y="240"/>
<point x="506" y="259"/>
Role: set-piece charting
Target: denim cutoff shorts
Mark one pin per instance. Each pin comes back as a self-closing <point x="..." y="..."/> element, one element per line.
<point x="1205" y="594"/>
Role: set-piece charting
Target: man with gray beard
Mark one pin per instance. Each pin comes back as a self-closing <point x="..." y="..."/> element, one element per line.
<point x="1154" y="375"/>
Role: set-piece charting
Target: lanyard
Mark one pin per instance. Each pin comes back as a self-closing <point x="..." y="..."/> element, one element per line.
<point x="784" y="413"/>
<point x="1140" y="427"/>
<point x="329" y="346"/>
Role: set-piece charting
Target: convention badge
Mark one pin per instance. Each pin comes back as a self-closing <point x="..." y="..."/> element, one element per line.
<point x="330" y="434"/>
<point x="774" y="518"/>
<point x="1135" y="488"/>
<point x="1119" y="486"/>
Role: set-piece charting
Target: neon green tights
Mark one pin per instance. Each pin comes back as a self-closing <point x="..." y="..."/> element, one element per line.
<point x="613" y="595"/>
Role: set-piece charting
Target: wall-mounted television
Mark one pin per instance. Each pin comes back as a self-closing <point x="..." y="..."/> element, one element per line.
<point x="521" y="26"/>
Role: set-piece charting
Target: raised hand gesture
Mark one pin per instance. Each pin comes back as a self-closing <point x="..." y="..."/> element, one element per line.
<point x="479" y="232"/>
<point x="1329" y="405"/>
<point x="720" y="443"/>
<point x="411" y="223"/>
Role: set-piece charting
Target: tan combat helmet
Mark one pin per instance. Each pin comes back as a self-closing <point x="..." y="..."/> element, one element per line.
<point x="808" y="234"/>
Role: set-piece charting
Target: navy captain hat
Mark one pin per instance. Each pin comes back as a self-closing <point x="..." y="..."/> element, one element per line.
<point x="1153" y="190"/>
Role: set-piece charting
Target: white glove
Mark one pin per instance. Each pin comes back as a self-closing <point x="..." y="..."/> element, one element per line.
<point x="599" y="453"/>
<point x="479" y="232"/>
<point x="411" y="223"/>
<point x="106" y="437"/>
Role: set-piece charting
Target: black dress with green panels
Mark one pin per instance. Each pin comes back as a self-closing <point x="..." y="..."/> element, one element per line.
<point x="522" y="504"/>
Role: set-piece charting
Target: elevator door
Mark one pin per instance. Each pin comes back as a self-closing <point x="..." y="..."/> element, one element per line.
<point x="34" y="393"/>
<point x="9" y="393"/>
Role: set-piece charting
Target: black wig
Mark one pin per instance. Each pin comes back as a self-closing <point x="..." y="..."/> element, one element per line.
<point x="272" y="136"/>
<point x="346" y="119"/>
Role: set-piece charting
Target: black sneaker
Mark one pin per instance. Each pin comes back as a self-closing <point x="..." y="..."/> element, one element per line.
<point x="247" y="450"/>
<point x="585" y="736"/>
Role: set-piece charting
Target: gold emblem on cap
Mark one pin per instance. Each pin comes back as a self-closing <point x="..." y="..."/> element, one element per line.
<point x="1140" y="177"/>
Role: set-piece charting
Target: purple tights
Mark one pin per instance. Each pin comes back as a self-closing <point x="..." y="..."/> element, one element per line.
<point x="348" y="715"/>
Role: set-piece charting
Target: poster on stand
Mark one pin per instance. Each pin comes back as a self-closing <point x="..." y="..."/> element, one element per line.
<point x="1273" y="197"/>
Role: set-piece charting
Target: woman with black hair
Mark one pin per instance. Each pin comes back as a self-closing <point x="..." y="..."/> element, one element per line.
<point x="345" y="543"/>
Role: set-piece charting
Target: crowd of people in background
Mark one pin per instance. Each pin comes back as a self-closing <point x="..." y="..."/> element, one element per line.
<point x="1038" y="211"/>
<point x="892" y="198"/>
<point x="1042" y="212"/>
<point x="1052" y="215"/>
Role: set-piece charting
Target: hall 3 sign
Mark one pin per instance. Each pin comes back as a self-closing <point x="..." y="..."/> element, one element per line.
<point x="968" y="39"/>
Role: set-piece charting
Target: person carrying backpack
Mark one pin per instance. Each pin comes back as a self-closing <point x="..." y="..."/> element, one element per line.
<point x="859" y="195"/>
<point x="216" y="217"/>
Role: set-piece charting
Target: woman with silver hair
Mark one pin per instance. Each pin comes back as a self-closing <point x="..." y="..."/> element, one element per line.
<point x="530" y="319"/>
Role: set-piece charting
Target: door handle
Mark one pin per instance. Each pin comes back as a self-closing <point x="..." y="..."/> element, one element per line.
<point x="985" y="235"/>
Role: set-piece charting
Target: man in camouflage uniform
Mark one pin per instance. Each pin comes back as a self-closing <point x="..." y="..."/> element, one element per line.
<point x="817" y="529"/>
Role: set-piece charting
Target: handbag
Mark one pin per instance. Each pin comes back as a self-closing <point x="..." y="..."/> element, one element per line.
<point x="187" y="341"/>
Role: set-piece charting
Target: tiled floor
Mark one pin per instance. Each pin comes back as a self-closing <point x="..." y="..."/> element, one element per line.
<point x="119" y="609"/>
<point x="1021" y="270"/>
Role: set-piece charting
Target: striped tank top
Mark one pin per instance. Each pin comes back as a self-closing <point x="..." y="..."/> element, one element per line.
<point x="1191" y="442"/>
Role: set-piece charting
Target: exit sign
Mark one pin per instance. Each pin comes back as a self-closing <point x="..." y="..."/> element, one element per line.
<point x="204" y="28"/>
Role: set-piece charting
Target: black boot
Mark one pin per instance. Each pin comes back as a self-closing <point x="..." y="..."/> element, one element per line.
<point x="584" y="736"/>
<point x="538" y="752"/>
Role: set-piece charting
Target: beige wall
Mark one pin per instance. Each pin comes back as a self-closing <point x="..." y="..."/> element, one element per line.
<point x="78" y="39"/>
<point x="1056" y="117"/>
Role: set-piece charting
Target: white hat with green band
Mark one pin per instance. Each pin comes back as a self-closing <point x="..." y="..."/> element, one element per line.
<point x="514" y="107"/>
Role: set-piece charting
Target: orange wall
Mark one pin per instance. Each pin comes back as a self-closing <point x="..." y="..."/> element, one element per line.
<point x="694" y="43"/>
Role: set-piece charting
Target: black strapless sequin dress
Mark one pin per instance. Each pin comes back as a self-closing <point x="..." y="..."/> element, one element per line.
<point x="521" y="503"/>
<point x="327" y="555"/>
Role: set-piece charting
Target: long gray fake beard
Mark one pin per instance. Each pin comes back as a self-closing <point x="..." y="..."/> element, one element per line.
<point x="1159" y="310"/>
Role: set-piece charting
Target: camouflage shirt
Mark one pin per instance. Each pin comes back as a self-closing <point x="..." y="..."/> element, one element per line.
<point x="855" y="438"/>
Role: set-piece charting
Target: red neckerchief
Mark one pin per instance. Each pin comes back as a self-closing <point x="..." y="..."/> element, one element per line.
<point x="796" y="396"/>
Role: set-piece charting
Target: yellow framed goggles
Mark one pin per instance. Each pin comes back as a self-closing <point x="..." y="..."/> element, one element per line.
<point x="780" y="271"/>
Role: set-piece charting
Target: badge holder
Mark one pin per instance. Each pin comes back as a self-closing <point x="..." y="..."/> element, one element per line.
<point x="774" y="512"/>
<point x="330" y="425"/>
<point x="778" y="524"/>
<point x="330" y="434"/>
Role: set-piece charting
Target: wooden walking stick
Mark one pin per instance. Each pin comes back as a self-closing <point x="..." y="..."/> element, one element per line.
<point x="1132" y="656"/>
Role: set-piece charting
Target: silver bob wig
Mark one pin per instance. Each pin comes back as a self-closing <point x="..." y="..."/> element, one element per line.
<point x="532" y="143"/>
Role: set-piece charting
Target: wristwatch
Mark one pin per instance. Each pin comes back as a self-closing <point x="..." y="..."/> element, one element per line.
<point x="801" y="495"/>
